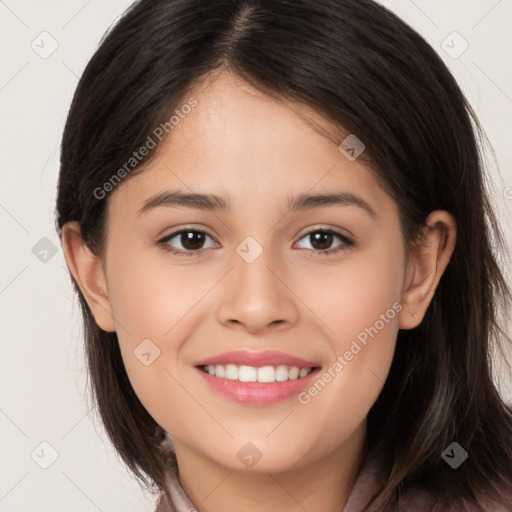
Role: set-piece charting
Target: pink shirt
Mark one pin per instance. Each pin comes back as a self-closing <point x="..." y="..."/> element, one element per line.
<point x="412" y="501"/>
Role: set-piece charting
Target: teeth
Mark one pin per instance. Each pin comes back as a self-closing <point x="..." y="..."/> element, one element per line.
<point x="245" y="373"/>
<point x="266" y="374"/>
<point x="231" y="372"/>
<point x="281" y="373"/>
<point x="303" y="372"/>
<point x="294" y="373"/>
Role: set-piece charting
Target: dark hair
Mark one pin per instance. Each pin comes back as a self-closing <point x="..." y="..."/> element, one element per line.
<point x="368" y="72"/>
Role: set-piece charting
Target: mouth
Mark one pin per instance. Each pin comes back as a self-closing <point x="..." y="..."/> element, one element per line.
<point x="257" y="386"/>
<point x="263" y="374"/>
<point x="257" y="378"/>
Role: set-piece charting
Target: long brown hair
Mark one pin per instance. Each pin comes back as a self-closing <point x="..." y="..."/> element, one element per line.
<point x="369" y="73"/>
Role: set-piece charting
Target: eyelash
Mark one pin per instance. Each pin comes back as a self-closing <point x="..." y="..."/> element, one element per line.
<point x="347" y="243"/>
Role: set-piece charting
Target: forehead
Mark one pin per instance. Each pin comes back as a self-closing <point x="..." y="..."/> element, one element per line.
<point x="245" y="119"/>
<point x="245" y="145"/>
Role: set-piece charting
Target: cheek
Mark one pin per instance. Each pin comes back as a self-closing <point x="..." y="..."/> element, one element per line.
<point x="362" y="306"/>
<point x="150" y="296"/>
<point x="352" y="297"/>
<point x="156" y="308"/>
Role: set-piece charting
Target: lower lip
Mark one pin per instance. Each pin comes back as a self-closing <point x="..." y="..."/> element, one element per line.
<point x="258" y="393"/>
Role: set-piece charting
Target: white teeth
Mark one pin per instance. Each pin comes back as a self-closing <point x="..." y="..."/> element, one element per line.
<point x="231" y="372"/>
<point x="303" y="372"/>
<point x="244" y="373"/>
<point x="266" y="374"/>
<point x="281" y="373"/>
<point x="247" y="374"/>
<point x="294" y="373"/>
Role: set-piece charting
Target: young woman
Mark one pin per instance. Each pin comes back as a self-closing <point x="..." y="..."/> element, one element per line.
<point x="276" y="221"/>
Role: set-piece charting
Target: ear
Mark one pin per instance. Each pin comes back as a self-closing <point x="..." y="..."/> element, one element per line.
<point x="87" y="270"/>
<point x="427" y="262"/>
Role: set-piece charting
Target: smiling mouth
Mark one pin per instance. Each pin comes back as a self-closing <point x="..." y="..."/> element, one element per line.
<point x="262" y="374"/>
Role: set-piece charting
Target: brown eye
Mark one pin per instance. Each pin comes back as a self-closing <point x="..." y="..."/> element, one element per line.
<point x="190" y="240"/>
<point x="321" y="241"/>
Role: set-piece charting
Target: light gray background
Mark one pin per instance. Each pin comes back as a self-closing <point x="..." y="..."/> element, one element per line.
<point x="42" y="372"/>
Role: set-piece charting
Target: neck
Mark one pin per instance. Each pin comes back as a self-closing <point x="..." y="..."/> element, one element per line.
<point x="323" y="485"/>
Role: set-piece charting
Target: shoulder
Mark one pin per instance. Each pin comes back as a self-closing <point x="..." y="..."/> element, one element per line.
<point x="164" y="505"/>
<point x="175" y="499"/>
<point x="420" y="499"/>
<point x="495" y="500"/>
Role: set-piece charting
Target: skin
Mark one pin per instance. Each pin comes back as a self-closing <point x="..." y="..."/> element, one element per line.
<point x="240" y="144"/>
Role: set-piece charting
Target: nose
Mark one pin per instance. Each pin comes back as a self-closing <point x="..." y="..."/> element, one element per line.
<point x="257" y="297"/>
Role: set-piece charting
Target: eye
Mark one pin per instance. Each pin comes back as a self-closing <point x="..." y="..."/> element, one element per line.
<point x="191" y="241"/>
<point x="321" y="239"/>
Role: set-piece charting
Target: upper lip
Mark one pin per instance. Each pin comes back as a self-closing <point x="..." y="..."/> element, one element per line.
<point x="257" y="359"/>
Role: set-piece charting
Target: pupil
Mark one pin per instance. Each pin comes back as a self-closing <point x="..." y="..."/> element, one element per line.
<point x="194" y="240"/>
<point x="324" y="238"/>
<point x="187" y="240"/>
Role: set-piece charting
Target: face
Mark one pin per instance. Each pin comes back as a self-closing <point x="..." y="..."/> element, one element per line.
<point x="322" y="282"/>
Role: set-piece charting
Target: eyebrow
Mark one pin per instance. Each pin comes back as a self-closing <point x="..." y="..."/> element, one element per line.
<point x="210" y="202"/>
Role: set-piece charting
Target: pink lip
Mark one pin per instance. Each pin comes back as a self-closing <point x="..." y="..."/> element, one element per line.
<point x="258" y="393"/>
<point x="257" y="359"/>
